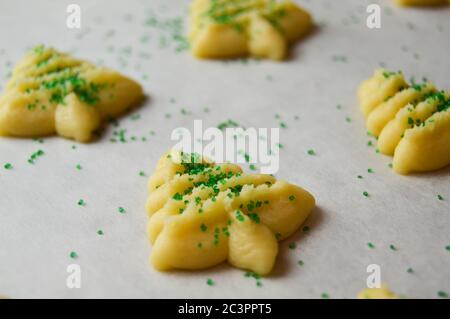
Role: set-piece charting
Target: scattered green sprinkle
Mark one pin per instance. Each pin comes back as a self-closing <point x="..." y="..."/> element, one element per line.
<point x="370" y="170"/>
<point x="440" y="197"/>
<point x="300" y="263"/>
<point x="81" y="202"/>
<point x="442" y="294"/>
<point x="392" y="247"/>
<point x="324" y="295"/>
<point x="73" y="255"/>
<point x="291" y="197"/>
<point x="100" y="232"/>
<point x="78" y="167"/>
<point x="410" y="270"/>
<point x="366" y="194"/>
<point x="370" y="245"/>
<point x="203" y="227"/>
<point x="292" y="245"/>
<point x="311" y="152"/>
<point x="210" y="282"/>
<point x="122" y="210"/>
<point x="8" y="166"/>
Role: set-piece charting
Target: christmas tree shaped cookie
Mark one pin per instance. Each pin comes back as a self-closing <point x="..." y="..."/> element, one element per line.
<point x="221" y="29"/>
<point x="422" y="2"/>
<point x="202" y="214"/>
<point x="410" y="121"/>
<point x="51" y="92"/>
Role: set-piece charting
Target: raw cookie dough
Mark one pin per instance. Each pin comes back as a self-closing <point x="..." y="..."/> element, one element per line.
<point x="411" y="122"/>
<point x="202" y="214"/>
<point x="422" y="2"/>
<point x="221" y="29"/>
<point x="51" y="92"/>
<point x="378" y="293"/>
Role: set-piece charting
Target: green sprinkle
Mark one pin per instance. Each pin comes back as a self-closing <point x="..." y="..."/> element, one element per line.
<point x="252" y="167"/>
<point x="306" y="229"/>
<point x="203" y="227"/>
<point x="292" y="245"/>
<point x="324" y="295"/>
<point x="278" y="236"/>
<point x="239" y="216"/>
<point x="73" y="255"/>
<point x="291" y="198"/>
<point x="370" y="170"/>
<point x="348" y="119"/>
<point x="259" y="283"/>
<point x="210" y="282"/>
<point x="442" y="294"/>
<point x="300" y="263"/>
<point x="81" y="203"/>
<point x="311" y="152"/>
<point x="366" y="194"/>
<point x="177" y="196"/>
<point x="199" y="245"/>
<point x="251" y="274"/>
<point x="410" y="270"/>
<point x="392" y="247"/>
<point x="142" y="173"/>
<point x="360" y="177"/>
<point x="100" y="232"/>
<point x="78" y="167"/>
<point x="254" y="217"/>
<point x="8" y="166"/>
<point x="370" y="245"/>
<point x="283" y="125"/>
<point x="447" y="247"/>
<point x="122" y="210"/>
<point x="440" y="197"/>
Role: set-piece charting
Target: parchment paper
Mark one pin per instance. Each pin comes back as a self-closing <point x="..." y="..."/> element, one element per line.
<point x="41" y="223"/>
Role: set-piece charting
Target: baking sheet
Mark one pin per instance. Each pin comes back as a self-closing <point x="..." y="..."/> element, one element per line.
<point x="41" y="223"/>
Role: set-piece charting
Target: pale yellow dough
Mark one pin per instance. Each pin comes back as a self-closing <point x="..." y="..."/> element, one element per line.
<point x="221" y="29"/>
<point x="378" y="293"/>
<point x="412" y="123"/>
<point x="422" y="2"/>
<point x="51" y="92"/>
<point x="203" y="214"/>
